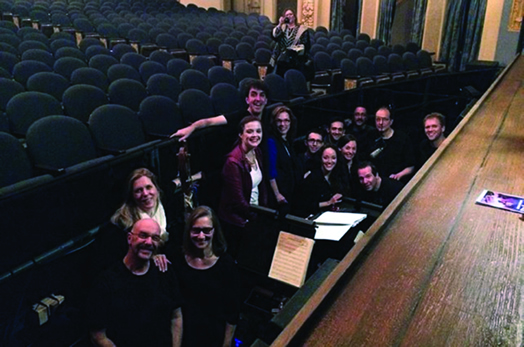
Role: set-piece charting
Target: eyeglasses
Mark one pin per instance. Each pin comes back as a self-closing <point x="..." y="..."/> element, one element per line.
<point x="360" y="113"/>
<point x="206" y="231"/>
<point x="144" y="236"/>
<point x="283" y="121"/>
<point x="314" y="141"/>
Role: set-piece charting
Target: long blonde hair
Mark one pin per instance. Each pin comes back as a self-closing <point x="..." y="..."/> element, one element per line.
<point x="129" y="213"/>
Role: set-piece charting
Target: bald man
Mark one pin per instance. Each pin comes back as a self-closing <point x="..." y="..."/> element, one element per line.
<point x="133" y="303"/>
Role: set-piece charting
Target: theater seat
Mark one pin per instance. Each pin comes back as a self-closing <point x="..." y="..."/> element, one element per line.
<point x="195" y="105"/>
<point x="127" y="92"/>
<point x="48" y="82"/>
<point x="25" y="108"/>
<point x="165" y="85"/>
<point x="57" y="144"/>
<point x="160" y="116"/>
<point x="80" y="100"/>
<point x="15" y="166"/>
<point x="116" y="129"/>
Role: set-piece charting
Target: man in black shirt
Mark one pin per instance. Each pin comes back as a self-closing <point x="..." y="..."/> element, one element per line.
<point x="133" y="303"/>
<point x="256" y="99"/>
<point x="375" y="189"/>
<point x="361" y="130"/>
<point x="434" y="127"/>
<point x="314" y="141"/>
<point x="392" y="152"/>
<point x="335" y="131"/>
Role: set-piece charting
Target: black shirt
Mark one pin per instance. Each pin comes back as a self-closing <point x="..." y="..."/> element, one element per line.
<point x="396" y="154"/>
<point x="211" y="298"/>
<point x="134" y="310"/>
<point x="385" y="194"/>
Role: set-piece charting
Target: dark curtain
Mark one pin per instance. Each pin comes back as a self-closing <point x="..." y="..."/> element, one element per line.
<point x="337" y="14"/>
<point x="385" y="20"/>
<point x="462" y="32"/>
<point x="419" y="17"/>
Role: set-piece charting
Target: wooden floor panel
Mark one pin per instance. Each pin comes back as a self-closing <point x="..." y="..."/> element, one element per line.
<point x="446" y="272"/>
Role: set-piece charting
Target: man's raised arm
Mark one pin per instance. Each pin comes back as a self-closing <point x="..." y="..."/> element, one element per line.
<point x="184" y="133"/>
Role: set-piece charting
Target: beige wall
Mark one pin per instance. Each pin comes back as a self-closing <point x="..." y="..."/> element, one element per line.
<point x="218" y="4"/>
<point x="490" y="32"/>
<point x="433" y="27"/>
<point x="369" y="17"/>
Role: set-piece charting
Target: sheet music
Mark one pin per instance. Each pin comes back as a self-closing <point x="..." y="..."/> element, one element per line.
<point x="334" y="225"/>
<point x="291" y="259"/>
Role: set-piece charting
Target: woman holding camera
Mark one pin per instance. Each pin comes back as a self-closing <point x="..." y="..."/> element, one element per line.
<point x="292" y="48"/>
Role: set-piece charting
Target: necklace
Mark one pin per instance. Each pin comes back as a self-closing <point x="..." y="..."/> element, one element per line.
<point x="252" y="160"/>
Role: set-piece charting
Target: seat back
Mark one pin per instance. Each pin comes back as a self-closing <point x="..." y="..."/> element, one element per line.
<point x="27" y="107"/>
<point x="80" y="100"/>
<point x="165" y="85"/>
<point x="15" y="166"/>
<point x="58" y="142"/>
<point x="194" y="105"/>
<point x="127" y="92"/>
<point x="194" y="79"/>
<point x="160" y="116"/>
<point x="116" y="128"/>
<point x="48" y="82"/>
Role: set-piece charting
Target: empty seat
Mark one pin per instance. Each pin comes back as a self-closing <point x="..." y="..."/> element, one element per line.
<point x="296" y="83"/>
<point x="8" y="89"/>
<point x="66" y="65"/>
<point x="60" y="142"/>
<point x="219" y="74"/>
<point x="167" y="40"/>
<point x="176" y="66"/>
<point x="15" y="166"/>
<point x="116" y="128"/>
<point x="102" y="62"/>
<point x="160" y="116"/>
<point x="91" y="51"/>
<point x="161" y="57"/>
<point x="70" y="52"/>
<point x="245" y="52"/>
<point x="25" y="69"/>
<point x="127" y="92"/>
<point x="80" y="100"/>
<point x="91" y="76"/>
<point x="120" y="49"/>
<point x="39" y="55"/>
<point x="89" y="41"/>
<point x="354" y="54"/>
<point x="165" y="85"/>
<point x="149" y="68"/>
<point x="133" y="59"/>
<point x="244" y="70"/>
<point x="194" y="79"/>
<point x="202" y="63"/>
<point x="48" y="82"/>
<point x="322" y="61"/>
<point x="226" y="98"/>
<point x="27" y="107"/>
<point x="195" y="105"/>
<point x="118" y="71"/>
<point x="31" y="44"/>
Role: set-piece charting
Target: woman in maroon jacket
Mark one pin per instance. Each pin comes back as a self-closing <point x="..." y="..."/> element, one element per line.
<point x="243" y="182"/>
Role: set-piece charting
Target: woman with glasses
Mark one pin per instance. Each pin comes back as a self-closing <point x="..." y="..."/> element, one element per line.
<point x="209" y="282"/>
<point x="243" y="182"/>
<point x="325" y="186"/>
<point x="284" y="168"/>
